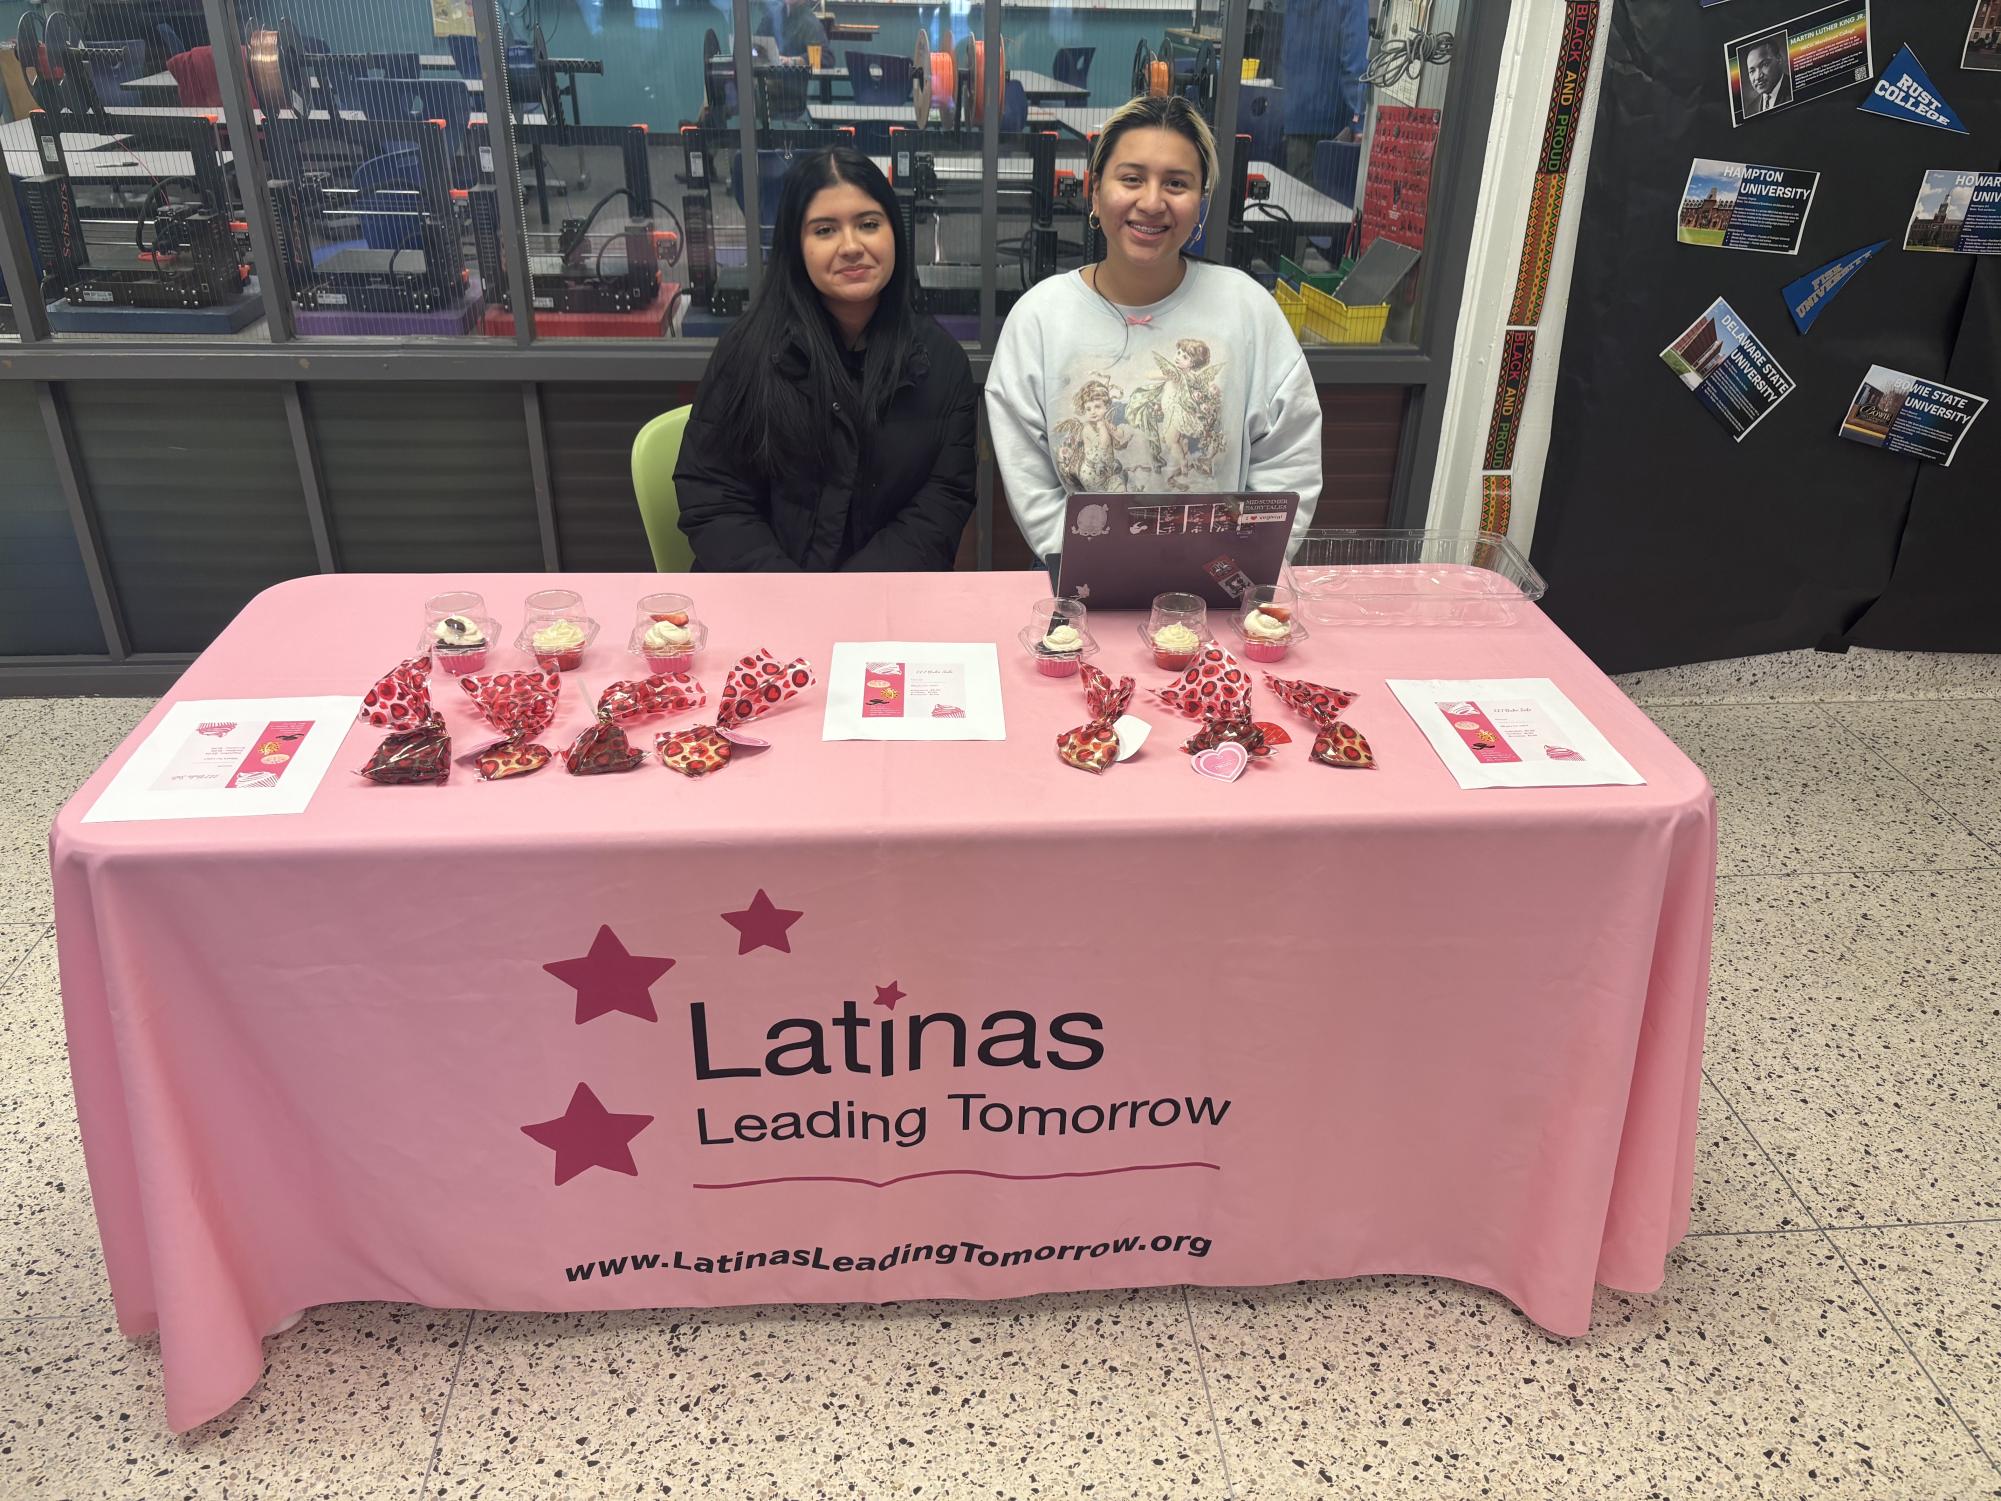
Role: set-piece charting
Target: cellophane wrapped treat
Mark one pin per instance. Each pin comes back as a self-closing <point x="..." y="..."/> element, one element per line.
<point x="1216" y="689"/>
<point x="520" y="705"/>
<point x="603" y="747"/>
<point x="1094" y="746"/>
<point x="756" y="684"/>
<point x="1335" y="743"/>
<point x="420" y="749"/>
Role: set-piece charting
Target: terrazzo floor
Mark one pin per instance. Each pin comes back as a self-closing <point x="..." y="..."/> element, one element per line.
<point x="1832" y="1326"/>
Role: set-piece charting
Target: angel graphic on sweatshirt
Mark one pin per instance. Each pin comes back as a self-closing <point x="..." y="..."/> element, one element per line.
<point x="1182" y="413"/>
<point x="1089" y="444"/>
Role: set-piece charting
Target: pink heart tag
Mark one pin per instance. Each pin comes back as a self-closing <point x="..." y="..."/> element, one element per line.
<point x="738" y="737"/>
<point x="1225" y="762"/>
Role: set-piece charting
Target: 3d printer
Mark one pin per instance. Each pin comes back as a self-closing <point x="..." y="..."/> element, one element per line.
<point x="377" y="235"/>
<point x="184" y="250"/>
<point x="582" y="268"/>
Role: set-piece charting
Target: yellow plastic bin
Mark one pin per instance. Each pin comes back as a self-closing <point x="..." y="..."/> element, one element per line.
<point x="1317" y="318"/>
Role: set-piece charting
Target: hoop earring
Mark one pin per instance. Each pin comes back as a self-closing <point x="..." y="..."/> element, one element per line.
<point x="1093" y="220"/>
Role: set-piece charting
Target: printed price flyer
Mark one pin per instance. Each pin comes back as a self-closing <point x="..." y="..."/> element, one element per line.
<point x="227" y="758"/>
<point x="1512" y="732"/>
<point x="914" y="690"/>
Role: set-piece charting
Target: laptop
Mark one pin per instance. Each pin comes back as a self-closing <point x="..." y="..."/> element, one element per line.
<point x="1119" y="551"/>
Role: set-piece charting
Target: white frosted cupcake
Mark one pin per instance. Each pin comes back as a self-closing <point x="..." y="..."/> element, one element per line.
<point x="458" y="643"/>
<point x="1058" y="653"/>
<point x="559" y="646"/>
<point x="1267" y="633"/>
<point x="669" y="646"/>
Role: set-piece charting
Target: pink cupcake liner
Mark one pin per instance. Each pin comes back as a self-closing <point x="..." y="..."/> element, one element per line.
<point x="1266" y="651"/>
<point x="1057" y="667"/>
<point x="680" y="662"/>
<point x="560" y="661"/>
<point x="459" y="663"/>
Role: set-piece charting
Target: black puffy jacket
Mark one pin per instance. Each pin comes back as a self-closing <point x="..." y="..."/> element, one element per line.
<point x="893" y="500"/>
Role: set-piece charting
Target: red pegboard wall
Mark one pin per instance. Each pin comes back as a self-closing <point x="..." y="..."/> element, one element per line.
<point x="1397" y="197"/>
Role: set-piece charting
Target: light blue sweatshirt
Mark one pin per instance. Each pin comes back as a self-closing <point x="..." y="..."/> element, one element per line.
<point x="1205" y="390"/>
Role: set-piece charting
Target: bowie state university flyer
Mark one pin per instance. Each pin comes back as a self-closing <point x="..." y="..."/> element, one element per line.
<point x="1908" y="414"/>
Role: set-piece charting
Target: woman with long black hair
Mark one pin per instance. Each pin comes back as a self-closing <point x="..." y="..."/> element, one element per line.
<point x="835" y="426"/>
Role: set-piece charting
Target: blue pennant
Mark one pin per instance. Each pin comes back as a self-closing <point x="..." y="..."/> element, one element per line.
<point x="1806" y="297"/>
<point x="1906" y="92"/>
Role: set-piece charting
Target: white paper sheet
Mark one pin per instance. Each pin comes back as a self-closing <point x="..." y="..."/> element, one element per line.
<point x="229" y="758"/>
<point x="1512" y="732"/>
<point x="914" y="690"/>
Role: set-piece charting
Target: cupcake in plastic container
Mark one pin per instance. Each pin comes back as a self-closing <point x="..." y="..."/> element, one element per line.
<point x="1269" y="622"/>
<point x="1176" y="629"/>
<point x="1056" y="638"/>
<point x="559" y="645"/>
<point x="667" y="634"/>
<point x="458" y="633"/>
<point x="555" y="629"/>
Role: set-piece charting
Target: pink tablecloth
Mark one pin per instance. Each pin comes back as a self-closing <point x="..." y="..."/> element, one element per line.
<point x="1311" y="1024"/>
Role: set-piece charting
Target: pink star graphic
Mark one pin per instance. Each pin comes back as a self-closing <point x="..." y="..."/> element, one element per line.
<point x="762" y="925"/>
<point x="588" y="1135"/>
<point x="886" y="996"/>
<point x="609" y="979"/>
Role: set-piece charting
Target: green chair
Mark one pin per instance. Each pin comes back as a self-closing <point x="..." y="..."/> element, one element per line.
<point x="654" y="453"/>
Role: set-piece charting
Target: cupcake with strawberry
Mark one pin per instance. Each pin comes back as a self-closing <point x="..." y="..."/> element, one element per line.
<point x="667" y="634"/>
<point x="1268" y="622"/>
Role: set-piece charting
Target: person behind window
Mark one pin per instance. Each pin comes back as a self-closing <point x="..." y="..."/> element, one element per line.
<point x="1322" y="56"/>
<point x="835" y="426"/>
<point x="795" y="25"/>
<point x="1148" y="371"/>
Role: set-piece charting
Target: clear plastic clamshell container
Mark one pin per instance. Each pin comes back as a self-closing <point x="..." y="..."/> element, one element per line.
<point x="1409" y="576"/>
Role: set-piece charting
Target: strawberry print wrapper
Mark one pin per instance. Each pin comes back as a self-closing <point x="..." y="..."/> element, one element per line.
<point x="1094" y="746"/>
<point x="521" y="705"/>
<point x="600" y="749"/>
<point x="695" y="751"/>
<point x="635" y="699"/>
<point x="755" y="685"/>
<point x="511" y="758"/>
<point x="422" y="753"/>
<point x="1216" y="690"/>
<point x="759" y="683"/>
<point x="1310" y="701"/>
<point x="1338" y="745"/>
<point x="603" y="747"/>
<point x="1214" y="686"/>
<point x="401" y="697"/>
<point x="1334" y="743"/>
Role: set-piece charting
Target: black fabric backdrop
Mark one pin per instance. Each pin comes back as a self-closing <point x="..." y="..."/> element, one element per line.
<point x="1663" y="541"/>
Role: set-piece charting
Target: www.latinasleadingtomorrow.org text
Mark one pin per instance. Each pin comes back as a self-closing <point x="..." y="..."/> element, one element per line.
<point x="941" y="1253"/>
